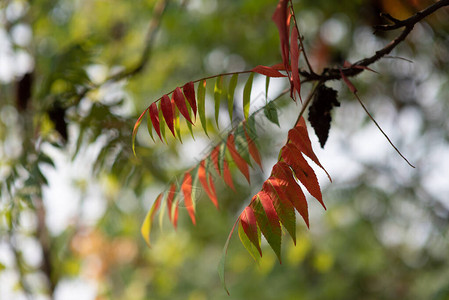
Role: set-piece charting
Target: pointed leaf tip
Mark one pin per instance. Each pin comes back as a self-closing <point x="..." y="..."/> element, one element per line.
<point x="148" y="222"/>
<point x="239" y="161"/>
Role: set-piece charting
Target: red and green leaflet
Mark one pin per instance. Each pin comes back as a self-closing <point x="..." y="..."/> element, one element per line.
<point x="186" y="103"/>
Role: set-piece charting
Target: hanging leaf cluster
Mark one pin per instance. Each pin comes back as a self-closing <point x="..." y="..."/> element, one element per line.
<point x="281" y="195"/>
<point x="238" y="148"/>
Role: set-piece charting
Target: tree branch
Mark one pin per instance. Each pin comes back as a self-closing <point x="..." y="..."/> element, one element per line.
<point x="334" y="73"/>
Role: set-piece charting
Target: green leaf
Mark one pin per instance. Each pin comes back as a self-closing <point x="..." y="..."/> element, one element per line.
<point x="218" y="92"/>
<point x="248" y="245"/>
<point x="250" y="126"/>
<point x="189" y="125"/>
<point x="247" y="95"/>
<point x="147" y="223"/>
<point x="202" y="104"/>
<point x="162" y="123"/>
<point x="231" y="91"/>
<point x="271" y="113"/>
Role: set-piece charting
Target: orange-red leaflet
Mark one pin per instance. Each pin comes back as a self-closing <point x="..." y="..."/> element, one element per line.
<point x="284" y="208"/>
<point x="268" y="220"/>
<point x="179" y="98"/>
<point x="249" y="225"/>
<point x="239" y="161"/>
<point x="300" y="138"/>
<point x="280" y="19"/>
<point x="293" y="157"/>
<point x="170" y="197"/>
<point x="186" y="188"/>
<point x="227" y="175"/>
<point x="285" y="179"/>
<point x="154" y="115"/>
<point x="203" y="180"/>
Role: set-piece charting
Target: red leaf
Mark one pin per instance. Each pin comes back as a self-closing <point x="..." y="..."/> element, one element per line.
<point x="300" y="138"/>
<point x="215" y="154"/>
<point x="268" y="71"/>
<point x="189" y="91"/>
<point x="212" y="190"/>
<point x="167" y="112"/>
<point x="268" y="220"/>
<point x="288" y="185"/>
<point x="154" y="115"/>
<point x="293" y="157"/>
<point x="203" y="180"/>
<point x="239" y="161"/>
<point x="284" y="207"/>
<point x="170" y="197"/>
<point x="351" y="87"/>
<point x="186" y="188"/>
<point x="253" y="149"/>
<point x="227" y="175"/>
<point x="280" y="67"/>
<point x="294" y="49"/>
<point x="248" y="221"/>
<point x="280" y="19"/>
<point x="180" y="101"/>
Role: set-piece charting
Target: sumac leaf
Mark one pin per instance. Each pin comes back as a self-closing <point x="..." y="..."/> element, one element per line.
<point x="147" y="223"/>
<point x="270" y="111"/>
<point x="189" y="92"/>
<point x="230" y="95"/>
<point x="249" y="226"/>
<point x="154" y="115"/>
<point x="267" y="71"/>
<point x="180" y="101"/>
<point x="293" y="157"/>
<point x="167" y="112"/>
<point x="268" y="220"/>
<point x="247" y="95"/>
<point x="239" y="161"/>
<point x="284" y="176"/>
<point x="186" y="188"/>
<point x="202" y="104"/>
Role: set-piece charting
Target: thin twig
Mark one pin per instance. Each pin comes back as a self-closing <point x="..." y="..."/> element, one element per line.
<point x="386" y="136"/>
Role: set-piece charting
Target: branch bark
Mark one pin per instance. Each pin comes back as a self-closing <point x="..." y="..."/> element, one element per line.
<point x="334" y="73"/>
